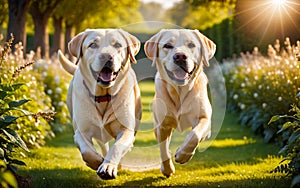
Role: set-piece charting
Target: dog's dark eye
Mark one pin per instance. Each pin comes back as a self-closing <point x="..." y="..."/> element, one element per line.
<point x="168" y="46"/>
<point x="117" y="45"/>
<point x="191" y="45"/>
<point x="93" y="45"/>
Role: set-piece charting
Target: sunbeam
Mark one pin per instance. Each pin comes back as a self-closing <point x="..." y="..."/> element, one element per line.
<point x="269" y="18"/>
<point x="279" y="2"/>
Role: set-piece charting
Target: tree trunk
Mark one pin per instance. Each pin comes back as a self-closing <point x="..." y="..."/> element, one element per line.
<point x="17" y="21"/>
<point x="40" y="18"/>
<point x="58" y="39"/>
<point x="41" y="38"/>
<point x="70" y="33"/>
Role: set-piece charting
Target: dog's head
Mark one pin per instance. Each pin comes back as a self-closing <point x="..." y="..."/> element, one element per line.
<point x="104" y="54"/>
<point x="180" y="53"/>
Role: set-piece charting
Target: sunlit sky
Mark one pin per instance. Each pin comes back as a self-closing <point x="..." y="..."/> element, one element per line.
<point x="166" y="3"/>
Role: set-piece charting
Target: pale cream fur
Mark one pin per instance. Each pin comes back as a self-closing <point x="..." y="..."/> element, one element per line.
<point x="117" y="119"/>
<point x="180" y="103"/>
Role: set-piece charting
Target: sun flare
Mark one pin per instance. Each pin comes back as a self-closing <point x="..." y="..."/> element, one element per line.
<point x="279" y="2"/>
<point x="270" y="18"/>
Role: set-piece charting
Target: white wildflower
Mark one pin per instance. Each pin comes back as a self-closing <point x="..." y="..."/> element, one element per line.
<point x="58" y="90"/>
<point x="57" y="80"/>
<point x="49" y="91"/>
<point x="44" y="74"/>
<point x="61" y="103"/>
<point x="45" y="67"/>
<point x="235" y="96"/>
<point x="242" y="106"/>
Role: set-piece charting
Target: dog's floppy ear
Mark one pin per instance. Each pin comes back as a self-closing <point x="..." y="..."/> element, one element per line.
<point x="151" y="47"/>
<point x="208" y="47"/>
<point x="75" y="44"/>
<point x="134" y="45"/>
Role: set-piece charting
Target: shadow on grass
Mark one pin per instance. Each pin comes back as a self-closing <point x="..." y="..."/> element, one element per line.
<point x="147" y="181"/>
<point x="87" y="178"/>
<point x="216" y="157"/>
<point x="75" y="177"/>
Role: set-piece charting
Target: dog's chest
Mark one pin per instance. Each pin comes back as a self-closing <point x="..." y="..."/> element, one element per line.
<point x="102" y="108"/>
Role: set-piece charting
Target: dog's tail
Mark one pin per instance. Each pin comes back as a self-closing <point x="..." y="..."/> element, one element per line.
<point x="67" y="64"/>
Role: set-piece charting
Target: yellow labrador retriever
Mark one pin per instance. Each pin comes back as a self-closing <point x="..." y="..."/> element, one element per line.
<point x="181" y="99"/>
<point x="104" y="97"/>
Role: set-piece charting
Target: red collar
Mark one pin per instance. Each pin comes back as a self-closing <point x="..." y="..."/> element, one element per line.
<point x="98" y="99"/>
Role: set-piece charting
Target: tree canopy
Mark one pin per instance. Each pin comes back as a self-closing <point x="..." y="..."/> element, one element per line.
<point x="215" y="17"/>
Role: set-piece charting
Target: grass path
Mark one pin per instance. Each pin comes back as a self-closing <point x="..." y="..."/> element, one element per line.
<point x="237" y="158"/>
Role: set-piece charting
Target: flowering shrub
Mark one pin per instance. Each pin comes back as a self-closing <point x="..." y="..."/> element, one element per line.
<point x="32" y="132"/>
<point x="260" y="87"/>
<point x="14" y="120"/>
<point x="56" y="87"/>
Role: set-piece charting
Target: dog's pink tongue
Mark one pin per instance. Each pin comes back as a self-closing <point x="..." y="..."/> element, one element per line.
<point x="106" y="76"/>
<point x="180" y="74"/>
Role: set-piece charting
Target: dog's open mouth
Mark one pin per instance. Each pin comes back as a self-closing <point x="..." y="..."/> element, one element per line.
<point x="180" y="74"/>
<point x="106" y="76"/>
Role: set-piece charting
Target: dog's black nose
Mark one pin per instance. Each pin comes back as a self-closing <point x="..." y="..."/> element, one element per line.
<point x="179" y="57"/>
<point x="106" y="57"/>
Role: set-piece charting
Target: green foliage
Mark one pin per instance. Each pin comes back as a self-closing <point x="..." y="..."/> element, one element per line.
<point x="291" y="149"/>
<point x="200" y="15"/>
<point x="4" y="11"/>
<point x="90" y="15"/>
<point x="32" y="131"/>
<point x="7" y="179"/>
<point x="222" y="35"/>
<point x="12" y="98"/>
<point x="205" y="16"/>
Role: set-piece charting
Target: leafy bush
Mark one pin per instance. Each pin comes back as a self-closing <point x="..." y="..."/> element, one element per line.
<point x="12" y="97"/>
<point x="46" y="85"/>
<point x="291" y="151"/>
<point x="31" y="131"/>
<point x="260" y="87"/>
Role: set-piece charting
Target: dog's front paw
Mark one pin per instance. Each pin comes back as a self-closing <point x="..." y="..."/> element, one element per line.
<point x="107" y="171"/>
<point x="183" y="157"/>
<point x="167" y="168"/>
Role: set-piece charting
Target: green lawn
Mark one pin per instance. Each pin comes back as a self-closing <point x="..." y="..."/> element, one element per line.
<point x="237" y="158"/>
